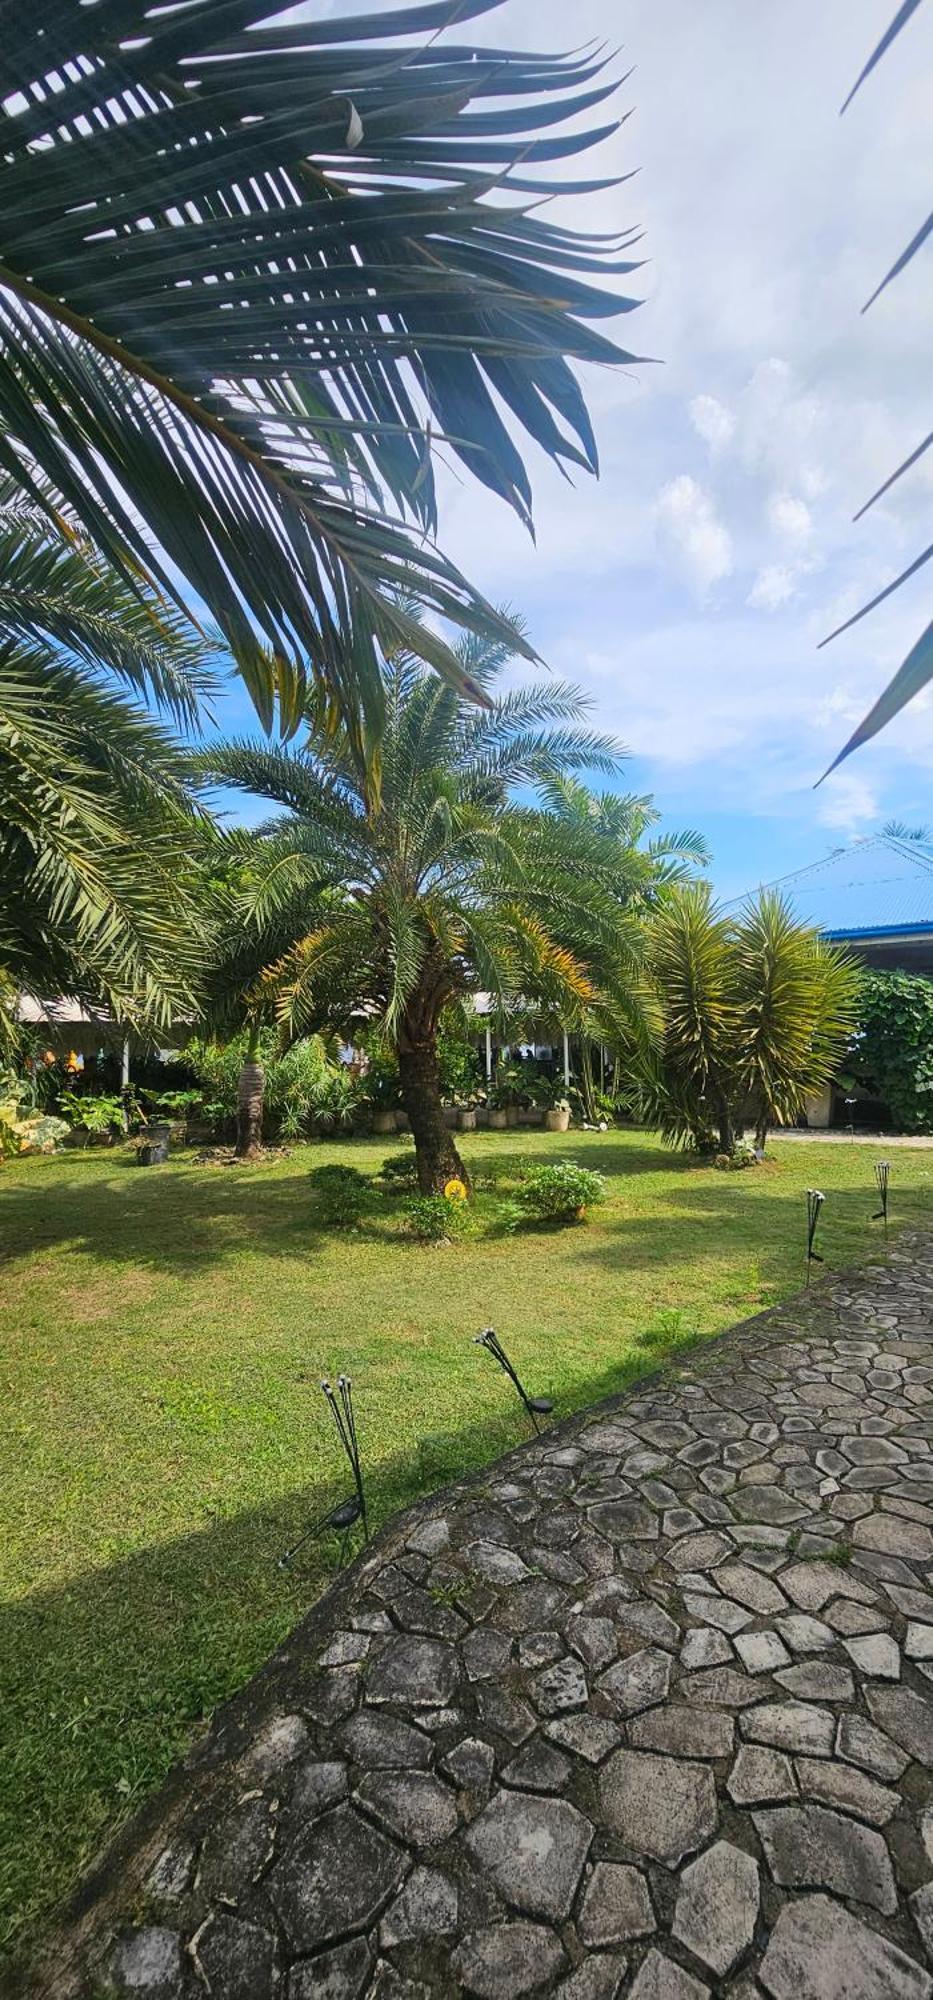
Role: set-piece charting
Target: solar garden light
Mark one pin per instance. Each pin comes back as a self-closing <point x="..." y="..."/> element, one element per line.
<point x="815" y="1202"/>
<point x="537" y="1406"/>
<point x="343" y="1517"/>
<point x="882" y="1177"/>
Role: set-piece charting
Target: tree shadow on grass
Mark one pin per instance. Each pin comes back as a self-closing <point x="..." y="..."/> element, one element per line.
<point x="105" y="1681"/>
<point x="181" y="1218"/>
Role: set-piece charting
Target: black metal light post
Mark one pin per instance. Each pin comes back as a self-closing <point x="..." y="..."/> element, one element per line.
<point x="343" y="1517"/>
<point x="882" y="1176"/>
<point x="537" y="1406"/>
<point x="815" y="1202"/>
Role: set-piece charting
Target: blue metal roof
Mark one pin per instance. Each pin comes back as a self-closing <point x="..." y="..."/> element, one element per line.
<point x="878" y="887"/>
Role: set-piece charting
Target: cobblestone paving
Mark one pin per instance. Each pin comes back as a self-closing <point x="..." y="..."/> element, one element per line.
<point x="648" y="1711"/>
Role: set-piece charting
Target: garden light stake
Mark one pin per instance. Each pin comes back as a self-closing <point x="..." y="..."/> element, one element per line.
<point x="347" y="1512"/>
<point x="815" y="1202"/>
<point x="537" y="1406"/>
<point x="882" y="1176"/>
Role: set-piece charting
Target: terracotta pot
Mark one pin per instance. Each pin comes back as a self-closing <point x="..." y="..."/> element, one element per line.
<point x="384" y="1121"/>
<point x="498" y="1120"/>
<point x="557" y="1121"/>
<point x="467" y="1120"/>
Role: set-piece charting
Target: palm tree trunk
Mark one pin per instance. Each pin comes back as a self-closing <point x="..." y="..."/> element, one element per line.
<point x="250" y="1091"/>
<point x="436" y="1154"/>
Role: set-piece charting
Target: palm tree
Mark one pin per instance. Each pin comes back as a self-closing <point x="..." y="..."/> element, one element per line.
<point x="446" y="881"/>
<point x="251" y="273"/>
<point x="644" y="871"/>
<point x="97" y="820"/>
<point x="757" y="1014"/>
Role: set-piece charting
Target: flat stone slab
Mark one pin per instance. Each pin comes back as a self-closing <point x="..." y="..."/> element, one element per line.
<point x="717" y="1905"/>
<point x="645" y="1712"/>
<point x="334" y="1879"/>
<point x="533" y="1849"/>
<point x="661" y="1807"/>
<point x="817" y="1951"/>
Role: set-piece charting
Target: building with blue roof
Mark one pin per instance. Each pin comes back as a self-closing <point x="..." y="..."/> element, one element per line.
<point x="876" y="896"/>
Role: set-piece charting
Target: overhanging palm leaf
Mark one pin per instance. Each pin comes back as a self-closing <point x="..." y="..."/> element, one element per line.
<point x="917" y="669"/>
<point x="288" y="273"/>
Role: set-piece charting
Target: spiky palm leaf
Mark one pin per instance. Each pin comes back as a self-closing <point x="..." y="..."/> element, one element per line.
<point x="251" y="273"/>
<point x="917" y="669"/>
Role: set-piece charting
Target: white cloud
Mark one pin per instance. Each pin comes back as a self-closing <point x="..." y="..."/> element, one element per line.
<point x="774" y="585"/>
<point x="692" y="536"/>
<point x="712" y="421"/>
<point x="848" y="801"/>
<point x="790" y="517"/>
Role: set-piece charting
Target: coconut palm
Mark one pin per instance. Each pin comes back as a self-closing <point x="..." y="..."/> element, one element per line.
<point x="252" y="271"/>
<point x="97" y="821"/>
<point x="452" y="878"/>
<point x="757" y="1013"/>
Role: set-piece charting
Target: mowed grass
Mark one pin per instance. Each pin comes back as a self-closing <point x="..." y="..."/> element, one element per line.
<point x="162" y="1335"/>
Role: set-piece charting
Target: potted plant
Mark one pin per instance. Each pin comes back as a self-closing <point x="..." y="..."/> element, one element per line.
<point x="382" y="1089"/>
<point x="179" y="1106"/>
<point x="98" y="1118"/>
<point x="557" y="1112"/>
<point x="508" y="1091"/>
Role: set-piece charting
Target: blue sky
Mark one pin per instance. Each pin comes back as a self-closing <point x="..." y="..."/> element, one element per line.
<point x="687" y="590"/>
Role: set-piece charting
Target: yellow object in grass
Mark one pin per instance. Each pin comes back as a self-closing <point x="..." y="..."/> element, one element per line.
<point x="455" y="1189"/>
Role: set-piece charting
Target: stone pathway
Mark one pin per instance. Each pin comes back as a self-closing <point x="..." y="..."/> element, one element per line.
<point x="647" y="1710"/>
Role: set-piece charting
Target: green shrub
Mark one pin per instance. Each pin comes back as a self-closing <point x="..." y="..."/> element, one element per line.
<point x="557" y="1194"/>
<point x="93" y="1114"/>
<point x="304" y="1081"/>
<point x="891" y="1054"/>
<point x="434" y="1218"/>
<point x="400" y="1170"/>
<point x="24" y="1129"/>
<point x="341" y="1195"/>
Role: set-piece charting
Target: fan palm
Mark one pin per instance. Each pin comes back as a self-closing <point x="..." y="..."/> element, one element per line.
<point x="757" y="1014"/>
<point x="454" y="879"/>
<point x="251" y="272"/>
<point x="97" y="822"/>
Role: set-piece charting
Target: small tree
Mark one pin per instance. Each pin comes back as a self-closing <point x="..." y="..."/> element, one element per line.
<point x="442" y="880"/>
<point x="757" y="1013"/>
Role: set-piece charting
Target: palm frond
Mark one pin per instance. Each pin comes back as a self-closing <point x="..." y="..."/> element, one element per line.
<point x="290" y="273"/>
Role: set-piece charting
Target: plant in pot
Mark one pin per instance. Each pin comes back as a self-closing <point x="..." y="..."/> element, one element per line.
<point x="507" y="1091"/>
<point x="556" y="1103"/>
<point x="382" y="1088"/>
<point x="178" y="1106"/>
<point x="99" y="1119"/>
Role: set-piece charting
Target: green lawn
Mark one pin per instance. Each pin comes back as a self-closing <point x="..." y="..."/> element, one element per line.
<point x="161" y="1338"/>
